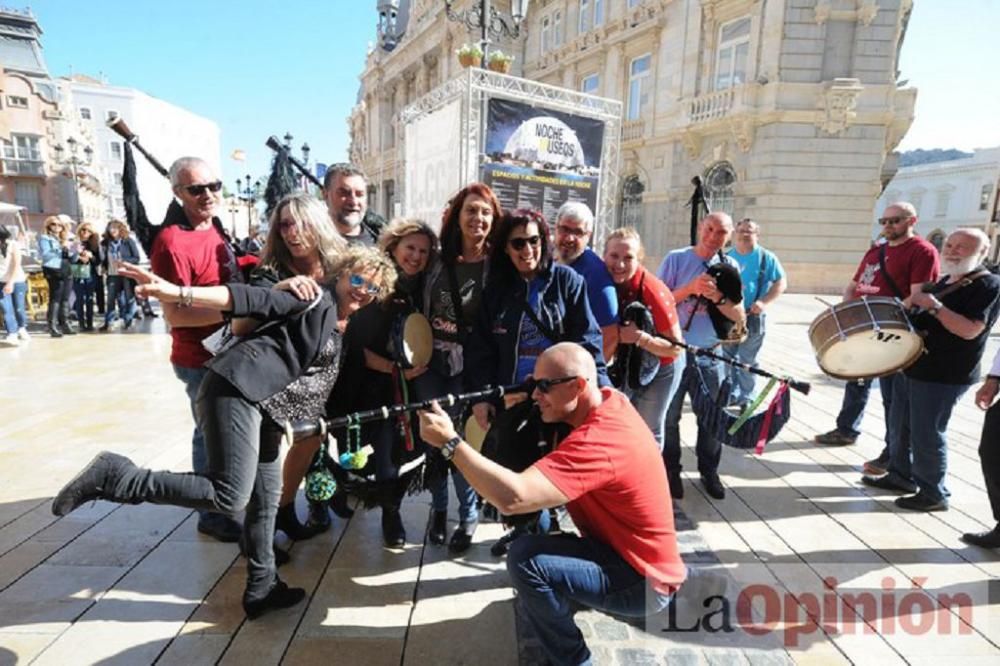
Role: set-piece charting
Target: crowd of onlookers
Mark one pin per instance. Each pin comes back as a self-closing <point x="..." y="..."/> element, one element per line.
<point x="80" y="266"/>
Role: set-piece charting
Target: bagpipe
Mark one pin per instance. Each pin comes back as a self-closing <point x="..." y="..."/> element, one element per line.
<point x="748" y="428"/>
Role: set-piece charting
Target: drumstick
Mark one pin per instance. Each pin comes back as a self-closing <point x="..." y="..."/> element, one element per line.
<point x="826" y="303"/>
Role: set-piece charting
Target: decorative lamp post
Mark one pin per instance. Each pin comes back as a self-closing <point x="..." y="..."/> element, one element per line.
<point x="491" y="23"/>
<point x="250" y="194"/>
<point x="393" y="17"/>
<point x="74" y="161"/>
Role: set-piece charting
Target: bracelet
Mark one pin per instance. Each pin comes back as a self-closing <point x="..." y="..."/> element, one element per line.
<point x="187" y="296"/>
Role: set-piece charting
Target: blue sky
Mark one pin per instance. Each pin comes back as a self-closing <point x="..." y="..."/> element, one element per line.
<point x="259" y="68"/>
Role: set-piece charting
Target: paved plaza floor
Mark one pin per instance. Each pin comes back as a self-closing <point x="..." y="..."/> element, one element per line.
<point x="799" y="564"/>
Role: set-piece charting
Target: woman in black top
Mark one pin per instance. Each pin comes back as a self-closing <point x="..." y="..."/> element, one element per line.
<point x="280" y="371"/>
<point x="411" y="244"/>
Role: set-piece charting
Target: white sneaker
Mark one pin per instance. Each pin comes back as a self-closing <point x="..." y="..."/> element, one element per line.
<point x="11" y="340"/>
<point x="22" y="334"/>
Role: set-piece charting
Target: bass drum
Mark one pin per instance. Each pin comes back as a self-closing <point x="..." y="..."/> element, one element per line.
<point x="865" y="338"/>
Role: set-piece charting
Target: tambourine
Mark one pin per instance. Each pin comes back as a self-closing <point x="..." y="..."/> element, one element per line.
<point x="412" y="340"/>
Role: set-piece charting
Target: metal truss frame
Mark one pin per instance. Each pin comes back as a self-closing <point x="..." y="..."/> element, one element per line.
<point x="476" y="86"/>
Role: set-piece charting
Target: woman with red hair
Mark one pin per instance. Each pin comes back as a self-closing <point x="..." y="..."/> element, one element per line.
<point x="452" y="297"/>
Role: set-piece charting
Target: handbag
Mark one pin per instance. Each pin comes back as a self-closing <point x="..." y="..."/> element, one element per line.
<point x="320" y="484"/>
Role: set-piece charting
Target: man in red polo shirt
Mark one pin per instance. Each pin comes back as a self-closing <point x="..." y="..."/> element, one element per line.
<point x="609" y="474"/>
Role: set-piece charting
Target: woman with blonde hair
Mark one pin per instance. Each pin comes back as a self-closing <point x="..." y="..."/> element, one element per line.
<point x="302" y="249"/>
<point x="623" y="256"/>
<point x="410" y="244"/>
<point x="57" y="254"/>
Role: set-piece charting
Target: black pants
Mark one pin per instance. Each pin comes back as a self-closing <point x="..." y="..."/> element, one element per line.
<point x="989" y="457"/>
<point x="60" y="286"/>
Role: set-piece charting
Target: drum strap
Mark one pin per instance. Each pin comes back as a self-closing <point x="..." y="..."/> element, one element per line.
<point x="958" y="284"/>
<point x="885" y="274"/>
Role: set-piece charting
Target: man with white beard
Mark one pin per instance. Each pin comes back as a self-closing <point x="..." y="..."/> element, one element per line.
<point x="955" y="315"/>
<point x="345" y="190"/>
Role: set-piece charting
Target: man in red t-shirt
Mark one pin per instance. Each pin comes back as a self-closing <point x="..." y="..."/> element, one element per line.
<point x="609" y="474"/>
<point x="190" y="250"/>
<point x="909" y="261"/>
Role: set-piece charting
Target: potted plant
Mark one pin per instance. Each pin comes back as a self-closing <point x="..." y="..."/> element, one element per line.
<point x="500" y="62"/>
<point x="470" y="55"/>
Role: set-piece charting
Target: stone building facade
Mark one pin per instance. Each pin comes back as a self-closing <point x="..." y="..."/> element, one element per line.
<point x="789" y="110"/>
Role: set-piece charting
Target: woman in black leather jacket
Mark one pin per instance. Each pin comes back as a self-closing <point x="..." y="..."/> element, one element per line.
<point x="289" y="363"/>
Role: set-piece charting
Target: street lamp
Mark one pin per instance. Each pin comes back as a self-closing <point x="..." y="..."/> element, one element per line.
<point x="74" y="162"/>
<point x="249" y="195"/>
<point x="489" y="21"/>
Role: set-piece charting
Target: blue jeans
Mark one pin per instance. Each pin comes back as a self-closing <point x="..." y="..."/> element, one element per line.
<point x="84" y="306"/>
<point x="551" y="573"/>
<point x="120" y="294"/>
<point x="237" y="476"/>
<point x="742" y="381"/>
<point x="707" y="447"/>
<point x="14" y="315"/>
<point x="852" y="409"/>
<point x="434" y="385"/>
<point x="192" y="379"/>
<point x="652" y="401"/>
<point x="926" y="408"/>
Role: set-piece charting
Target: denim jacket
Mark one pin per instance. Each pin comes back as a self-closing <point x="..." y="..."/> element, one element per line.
<point x="52" y="252"/>
<point x="562" y="306"/>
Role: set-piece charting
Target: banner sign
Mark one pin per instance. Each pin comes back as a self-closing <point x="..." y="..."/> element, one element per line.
<point x="541" y="158"/>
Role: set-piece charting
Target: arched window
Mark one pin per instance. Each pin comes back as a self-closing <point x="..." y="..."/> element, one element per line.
<point x="631" y="211"/>
<point x="719" y="183"/>
<point x="936" y="238"/>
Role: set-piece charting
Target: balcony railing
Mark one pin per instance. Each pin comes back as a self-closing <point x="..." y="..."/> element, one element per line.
<point x="634" y="130"/>
<point x="712" y="106"/>
<point x="13" y="167"/>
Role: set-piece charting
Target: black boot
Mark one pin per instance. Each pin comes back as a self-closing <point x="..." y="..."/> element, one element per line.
<point x="439" y="527"/>
<point x="95" y="481"/>
<point x="54" y="332"/>
<point x="393" y="532"/>
<point x="288" y="522"/>
<point x="280" y="596"/>
<point x="319" y="517"/>
<point x="339" y="505"/>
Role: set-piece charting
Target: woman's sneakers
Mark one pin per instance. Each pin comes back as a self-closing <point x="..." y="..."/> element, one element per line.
<point x="95" y="481"/>
<point x="280" y="596"/>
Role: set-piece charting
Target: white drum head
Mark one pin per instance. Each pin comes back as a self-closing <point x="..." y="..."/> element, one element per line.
<point x="869" y="354"/>
<point x="418" y="340"/>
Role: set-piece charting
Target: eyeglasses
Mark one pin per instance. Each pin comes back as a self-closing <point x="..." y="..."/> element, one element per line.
<point x="545" y="385"/>
<point x="570" y="231"/>
<point x="357" y="282"/>
<point x="892" y="220"/>
<point x="198" y="190"/>
<point x="519" y="243"/>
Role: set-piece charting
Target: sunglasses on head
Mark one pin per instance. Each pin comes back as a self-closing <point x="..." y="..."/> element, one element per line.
<point x="893" y="220"/>
<point x="198" y="190"/>
<point x="545" y="385"/>
<point x="519" y="243"/>
<point x="357" y="282"/>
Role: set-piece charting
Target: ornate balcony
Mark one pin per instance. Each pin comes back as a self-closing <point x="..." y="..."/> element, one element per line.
<point x="634" y="130"/>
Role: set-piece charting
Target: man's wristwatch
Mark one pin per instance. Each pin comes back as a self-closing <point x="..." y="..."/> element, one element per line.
<point x="448" y="450"/>
<point x="935" y="309"/>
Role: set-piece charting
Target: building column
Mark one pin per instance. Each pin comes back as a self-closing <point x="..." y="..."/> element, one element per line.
<point x="612" y="84"/>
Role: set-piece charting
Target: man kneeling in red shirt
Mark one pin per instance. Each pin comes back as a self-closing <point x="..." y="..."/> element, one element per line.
<point x="609" y="474"/>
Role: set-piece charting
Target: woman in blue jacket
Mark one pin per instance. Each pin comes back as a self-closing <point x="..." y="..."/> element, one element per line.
<point x="530" y="303"/>
<point x="57" y="255"/>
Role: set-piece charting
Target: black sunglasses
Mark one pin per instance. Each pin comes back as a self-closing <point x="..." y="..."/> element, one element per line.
<point x="519" y="243"/>
<point x="545" y="385"/>
<point x="198" y="190"/>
